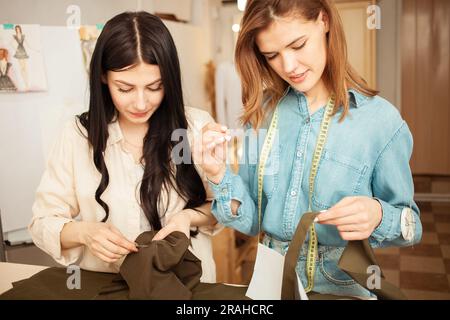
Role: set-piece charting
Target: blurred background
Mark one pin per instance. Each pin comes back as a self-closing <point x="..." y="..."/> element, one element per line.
<point x="401" y="47"/>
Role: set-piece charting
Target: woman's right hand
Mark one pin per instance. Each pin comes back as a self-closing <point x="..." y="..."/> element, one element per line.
<point x="105" y="241"/>
<point x="209" y="151"/>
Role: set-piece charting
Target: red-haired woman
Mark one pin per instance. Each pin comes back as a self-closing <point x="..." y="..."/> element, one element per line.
<point x="336" y="146"/>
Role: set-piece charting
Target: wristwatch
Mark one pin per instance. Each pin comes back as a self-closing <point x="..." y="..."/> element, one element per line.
<point x="408" y="224"/>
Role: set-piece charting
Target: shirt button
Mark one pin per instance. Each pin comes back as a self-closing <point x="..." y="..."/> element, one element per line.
<point x="299" y="154"/>
<point x="293" y="193"/>
<point x="307" y="121"/>
<point x="224" y="191"/>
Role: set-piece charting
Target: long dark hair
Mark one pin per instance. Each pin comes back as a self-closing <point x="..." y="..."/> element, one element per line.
<point x="128" y="39"/>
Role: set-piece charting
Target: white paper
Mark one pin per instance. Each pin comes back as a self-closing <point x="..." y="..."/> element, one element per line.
<point x="267" y="275"/>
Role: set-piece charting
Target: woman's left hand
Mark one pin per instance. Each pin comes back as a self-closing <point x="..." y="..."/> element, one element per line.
<point x="178" y="222"/>
<point x="355" y="217"/>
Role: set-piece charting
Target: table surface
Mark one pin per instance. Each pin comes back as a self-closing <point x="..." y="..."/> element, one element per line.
<point x="12" y="272"/>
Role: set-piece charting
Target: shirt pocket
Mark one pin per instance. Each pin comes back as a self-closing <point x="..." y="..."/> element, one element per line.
<point x="272" y="172"/>
<point x="338" y="176"/>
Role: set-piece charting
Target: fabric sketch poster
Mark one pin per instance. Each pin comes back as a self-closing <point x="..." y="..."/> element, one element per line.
<point x="21" y="61"/>
<point x="88" y="39"/>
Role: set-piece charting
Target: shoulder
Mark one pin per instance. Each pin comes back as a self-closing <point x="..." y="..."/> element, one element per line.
<point x="380" y="113"/>
<point x="73" y="131"/>
<point x="380" y="120"/>
<point x="197" y="118"/>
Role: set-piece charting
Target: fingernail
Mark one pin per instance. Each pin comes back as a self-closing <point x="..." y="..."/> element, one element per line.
<point x="224" y="128"/>
<point x="316" y="219"/>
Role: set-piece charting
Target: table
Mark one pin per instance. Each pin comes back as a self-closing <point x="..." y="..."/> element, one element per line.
<point x="12" y="272"/>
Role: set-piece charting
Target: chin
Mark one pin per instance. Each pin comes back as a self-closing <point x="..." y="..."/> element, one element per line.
<point x="301" y="87"/>
<point x="305" y="86"/>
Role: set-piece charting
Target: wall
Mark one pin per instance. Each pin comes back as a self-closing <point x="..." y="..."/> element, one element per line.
<point x="425" y="83"/>
<point x="388" y="51"/>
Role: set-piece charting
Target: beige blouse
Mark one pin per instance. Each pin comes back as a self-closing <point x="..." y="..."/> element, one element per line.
<point x="67" y="188"/>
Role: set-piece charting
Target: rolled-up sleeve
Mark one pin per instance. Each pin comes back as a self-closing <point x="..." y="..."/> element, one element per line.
<point x="56" y="202"/>
<point x="237" y="187"/>
<point x="393" y="187"/>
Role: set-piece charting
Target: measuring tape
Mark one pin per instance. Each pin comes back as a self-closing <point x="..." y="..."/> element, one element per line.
<point x="312" y="245"/>
<point x="267" y="146"/>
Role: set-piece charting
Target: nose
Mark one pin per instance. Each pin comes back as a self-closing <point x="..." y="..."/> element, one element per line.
<point x="289" y="63"/>
<point x="141" y="102"/>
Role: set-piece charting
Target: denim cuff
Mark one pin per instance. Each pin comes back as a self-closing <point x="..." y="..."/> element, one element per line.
<point x="384" y="229"/>
<point x="222" y="190"/>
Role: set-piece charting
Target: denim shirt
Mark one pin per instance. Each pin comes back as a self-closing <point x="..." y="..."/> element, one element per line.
<point x="367" y="154"/>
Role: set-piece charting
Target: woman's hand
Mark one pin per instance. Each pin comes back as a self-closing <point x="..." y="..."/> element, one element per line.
<point x="178" y="222"/>
<point x="209" y="151"/>
<point x="355" y="217"/>
<point x="105" y="241"/>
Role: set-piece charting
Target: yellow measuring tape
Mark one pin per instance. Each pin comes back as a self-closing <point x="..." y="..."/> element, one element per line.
<point x="312" y="245"/>
<point x="267" y="146"/>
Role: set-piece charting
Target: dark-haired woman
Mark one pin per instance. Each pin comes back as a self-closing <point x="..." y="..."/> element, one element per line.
<point x="118" y="168"/>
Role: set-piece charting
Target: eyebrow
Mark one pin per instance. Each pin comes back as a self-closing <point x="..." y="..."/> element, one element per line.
<point x="290" y="44"/>
<point x="131" y="85"/>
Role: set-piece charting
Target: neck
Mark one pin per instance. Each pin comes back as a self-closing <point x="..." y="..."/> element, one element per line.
<point x="317" y="96"/>
<point x="134" y="133"/>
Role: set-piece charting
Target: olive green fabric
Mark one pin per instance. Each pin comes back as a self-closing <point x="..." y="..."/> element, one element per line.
<point x="51" y="284"/>
<point x="219" y="291"/>
<point x="355" y="260"/>
<point x="165" y="269"/>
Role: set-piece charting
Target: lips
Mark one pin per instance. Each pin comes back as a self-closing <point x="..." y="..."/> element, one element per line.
<point x="139" y="115"/>
<point x="299" y="77"/>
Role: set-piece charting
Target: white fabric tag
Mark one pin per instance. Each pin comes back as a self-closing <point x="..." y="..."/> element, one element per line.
<point x="267" y="275"/>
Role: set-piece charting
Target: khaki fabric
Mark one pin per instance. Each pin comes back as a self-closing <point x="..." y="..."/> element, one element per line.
<point x="355" y="260"/>
<point x="165" y="269"/>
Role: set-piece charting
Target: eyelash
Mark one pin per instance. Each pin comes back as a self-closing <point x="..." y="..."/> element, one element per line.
<point x="295" y="48"/>
<point x="129" y="90"/>
<point x="300" y="47"/>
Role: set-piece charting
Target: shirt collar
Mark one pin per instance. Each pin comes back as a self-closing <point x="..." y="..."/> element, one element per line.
<point x="355" y="98"/>
<point x="115" y="133"/>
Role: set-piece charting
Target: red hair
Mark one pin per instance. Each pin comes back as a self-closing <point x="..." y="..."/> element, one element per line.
<point x="258" y="78"/>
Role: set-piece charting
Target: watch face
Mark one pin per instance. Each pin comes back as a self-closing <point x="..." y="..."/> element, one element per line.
<point x="408" y="224"/>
